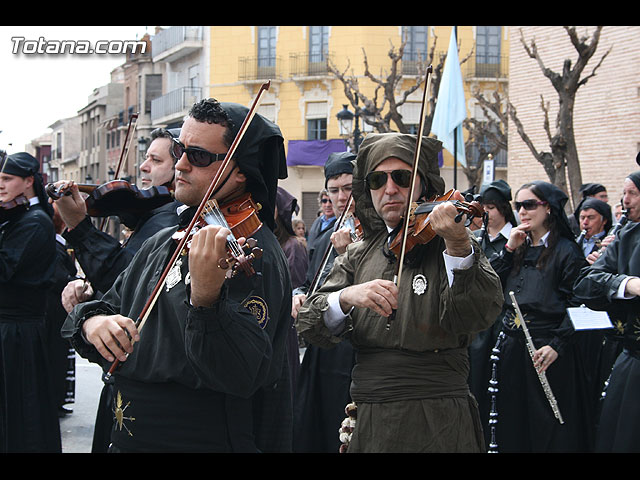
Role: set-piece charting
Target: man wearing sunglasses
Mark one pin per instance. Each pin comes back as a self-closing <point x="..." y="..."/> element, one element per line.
<point x="409" y="381"/>
<point x="207" y="371"/>
<point x="104" y="257"/>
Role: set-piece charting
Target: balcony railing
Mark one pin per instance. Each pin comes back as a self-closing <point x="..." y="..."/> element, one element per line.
<point x="259" y="68"/>
<point x="486" y="66"/>
<point x="173" y="37"/>
<point x="174" y="102"/>
<point x="309" y="64"/>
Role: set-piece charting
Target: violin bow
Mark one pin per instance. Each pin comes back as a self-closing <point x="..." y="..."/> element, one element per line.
<point x="146" y="310"/>
<point x="123" y="154"/>
<point x="325" y="258"/>
<point x="414" y="174"/>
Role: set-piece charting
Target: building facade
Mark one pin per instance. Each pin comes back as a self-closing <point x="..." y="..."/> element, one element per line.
<point x="65" y="150"/>
<point x="305" y="97"/>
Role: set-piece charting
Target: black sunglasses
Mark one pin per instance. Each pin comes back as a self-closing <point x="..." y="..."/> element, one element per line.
<point x="198" y="157"/>
<point x="376" y="180"/>
<point x="529" y="204"/>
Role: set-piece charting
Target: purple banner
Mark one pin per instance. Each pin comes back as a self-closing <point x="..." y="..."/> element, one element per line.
<point x="312" y="152"/>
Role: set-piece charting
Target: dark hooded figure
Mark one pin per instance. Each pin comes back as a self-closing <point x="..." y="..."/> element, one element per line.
<point x="539" y="264"/>
<point x="207" y="371"/>
<point x="28" y="411"/>
<point x="296" y="253"/>
<point x="409" y="381"/>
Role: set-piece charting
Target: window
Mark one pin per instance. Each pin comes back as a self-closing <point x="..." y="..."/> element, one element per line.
<point x="488" y="51"/>
<point x="317" y="129"/>
<point x="266" y="46"/>
<point x="416" y="47"/>
<point x="488" y="44"/>
<point x="316" y="115"/>
<point x="318" y="43"/>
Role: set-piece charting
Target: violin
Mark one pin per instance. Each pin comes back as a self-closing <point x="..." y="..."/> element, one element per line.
<point x="11" y="208"/>
<point x="241" y="218"/>
<point x="420" y="230"/>
<point x="355" y="228"/>
<point x="115" y="198"/>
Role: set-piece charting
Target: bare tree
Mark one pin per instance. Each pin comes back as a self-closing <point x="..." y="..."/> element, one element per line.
<point x="381" y="109"/>
<point x="562" y="161"/>
<point x="491" y="131"/>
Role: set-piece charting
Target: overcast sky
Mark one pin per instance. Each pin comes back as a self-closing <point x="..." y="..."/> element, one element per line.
<point x="36" y="89"/>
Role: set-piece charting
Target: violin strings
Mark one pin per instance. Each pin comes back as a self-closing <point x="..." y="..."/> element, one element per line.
<point x="219" y="218"/>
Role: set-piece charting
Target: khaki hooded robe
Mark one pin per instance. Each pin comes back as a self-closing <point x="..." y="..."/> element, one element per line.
<point x="410" y="381"/>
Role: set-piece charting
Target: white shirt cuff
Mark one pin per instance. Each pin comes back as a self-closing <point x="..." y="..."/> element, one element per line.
<point x="334" y="317"/>
<point x="620" y="293"/>
<point x="456" y="263"/>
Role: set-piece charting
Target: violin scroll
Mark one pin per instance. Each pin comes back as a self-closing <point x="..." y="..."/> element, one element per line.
<point x="242" y="262"/>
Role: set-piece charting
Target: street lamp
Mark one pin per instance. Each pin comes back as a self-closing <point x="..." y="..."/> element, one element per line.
<point x="111" y="173"/>
<point x="346" y="122"/>
<point x="88" y="178"/>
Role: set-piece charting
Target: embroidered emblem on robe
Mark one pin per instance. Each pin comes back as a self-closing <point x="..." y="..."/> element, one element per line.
<point x="258" y="308"/>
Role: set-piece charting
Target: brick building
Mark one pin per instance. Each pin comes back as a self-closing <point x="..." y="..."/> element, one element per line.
<point x="607" y="108"/>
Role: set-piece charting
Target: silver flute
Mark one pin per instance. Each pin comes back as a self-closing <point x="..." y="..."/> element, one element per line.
<point x="542" y="376"/>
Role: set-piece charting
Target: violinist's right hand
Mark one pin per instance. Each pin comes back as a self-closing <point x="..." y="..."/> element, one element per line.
<point x="112" y="335"/>
<point x="378" y="295"/>
<point x="296" y="303"/>
<point x="72" y="208"/>
<point x="75" y="292"/>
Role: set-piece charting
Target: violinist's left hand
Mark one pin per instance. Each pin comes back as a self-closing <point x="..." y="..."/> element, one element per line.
<point x="455" y="235"/>
<point x="208" y="246"/>
<point x="72" y="208"/>
<point x="341" y="239"/>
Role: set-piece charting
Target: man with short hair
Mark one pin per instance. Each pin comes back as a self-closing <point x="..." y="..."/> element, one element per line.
<point x="409" y="380"/>
<point x="208" y="372"/>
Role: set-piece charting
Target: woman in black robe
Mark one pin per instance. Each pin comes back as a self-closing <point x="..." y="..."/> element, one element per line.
<point x="539" y="263"/>
<point x="28" y="414"/>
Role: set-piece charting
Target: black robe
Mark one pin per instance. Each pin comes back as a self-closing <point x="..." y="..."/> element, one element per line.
<point x="28" y="414"/>
<point x="200" y="379"/>
<point x="102" y="258"/>
<point x="520" y="416"/>
<point x="597" y="285"/>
